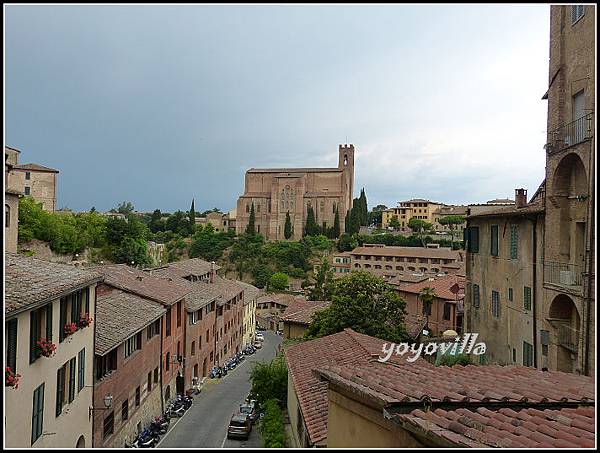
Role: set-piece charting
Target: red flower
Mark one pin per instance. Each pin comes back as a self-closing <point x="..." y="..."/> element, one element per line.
<point x="46" y="347"/>
<point x="85" y="320"/>
<point x="11" y="379"/>
<point x="70" y="328"/>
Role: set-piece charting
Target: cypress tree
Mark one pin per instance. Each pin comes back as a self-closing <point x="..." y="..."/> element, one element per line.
<point x="311" y="229"/>
<point x="250" y="227"/>
<point x="287" y="230"/>
<point x="363" y="208"/>
<point x="192" y="215"/>
<point x="336" y="224"/>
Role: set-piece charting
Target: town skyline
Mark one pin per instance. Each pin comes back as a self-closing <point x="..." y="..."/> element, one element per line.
<point x="205" y="131"/>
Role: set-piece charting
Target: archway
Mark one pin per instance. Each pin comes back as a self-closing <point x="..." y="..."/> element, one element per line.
<point x="80" y="442"/>
<point x="565" y="318"/>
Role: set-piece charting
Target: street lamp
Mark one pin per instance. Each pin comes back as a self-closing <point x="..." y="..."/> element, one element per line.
<point x="108" y="400"/>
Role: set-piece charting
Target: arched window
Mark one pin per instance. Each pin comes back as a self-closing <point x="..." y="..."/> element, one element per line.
<point x="6" y="216"/>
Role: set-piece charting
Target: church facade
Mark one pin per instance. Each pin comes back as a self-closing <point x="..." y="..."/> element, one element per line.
<point x="277" y="191"/>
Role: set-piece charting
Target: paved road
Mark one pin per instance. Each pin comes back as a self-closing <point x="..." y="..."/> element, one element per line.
<point x="205" y="423"/>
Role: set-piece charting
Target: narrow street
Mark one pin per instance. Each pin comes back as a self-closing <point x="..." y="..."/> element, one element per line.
<point x="205" y="423"/>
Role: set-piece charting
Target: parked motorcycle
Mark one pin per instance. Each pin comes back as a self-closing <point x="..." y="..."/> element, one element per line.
<point x="146" y="439"/>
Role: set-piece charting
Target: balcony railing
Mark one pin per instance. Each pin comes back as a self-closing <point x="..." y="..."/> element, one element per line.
<point x="570" y="134"/>
<point x="568" y="337"/>
<point x="563" y="274"/>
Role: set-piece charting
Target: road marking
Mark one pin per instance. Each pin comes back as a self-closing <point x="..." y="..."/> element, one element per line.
<point x="224" y="440"/>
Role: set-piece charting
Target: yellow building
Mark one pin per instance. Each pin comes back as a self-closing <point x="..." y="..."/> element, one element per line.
<point x="251" y="294"/>
<point x="417" y="207"/>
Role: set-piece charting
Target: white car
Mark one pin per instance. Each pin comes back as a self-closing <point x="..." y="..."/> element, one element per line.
<point x="260" y="336"/>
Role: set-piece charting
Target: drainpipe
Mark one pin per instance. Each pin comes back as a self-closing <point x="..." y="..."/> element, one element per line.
<point x="590" y="266"/>
<point x="160" y="367"/>
<point x="533" y="291"/>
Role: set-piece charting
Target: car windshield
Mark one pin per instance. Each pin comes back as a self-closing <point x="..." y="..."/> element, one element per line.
<point x="246" y="409"/>
<point x="237" y="423"/>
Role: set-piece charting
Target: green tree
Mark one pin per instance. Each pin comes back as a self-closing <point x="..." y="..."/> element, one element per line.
<point x="323" y="282"/>
<point x="336" y="224"/>
<point x="125" y="207"/>
<point x="133" y="251"/>
<point x="156" y="222"/>
<point x="394" y="222"/>
<point x="272" y="427"/>
<point x="269" y="381"/>
<point x="375" y="215"/>
<point x="179" y="223"/>
<point x="287" y="230"/>
<point x="250" y="228"/>
<point x="452" y="221"/>
<point x="363" y="210"/>
<point x="192" y="215"/>
<point x="311" y="228"/>
<point x="209" y="244"/>
<point x="347" y="242"/>
<point x="419" y="226"/>
<point x="365" y="303"/>
<point x="278" y="282"/>
<point x="427" y="297"/>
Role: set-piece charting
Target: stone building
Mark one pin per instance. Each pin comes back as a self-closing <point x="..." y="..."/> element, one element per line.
<point x="11" y="205"/>
<point x="276" y="191"/>
<point x="51" y="406"/>
<point x="554" y="251"/>
<point x="33" y="180"/>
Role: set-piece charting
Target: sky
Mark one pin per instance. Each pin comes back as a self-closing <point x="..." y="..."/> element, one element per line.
<point x="161" y="104"/>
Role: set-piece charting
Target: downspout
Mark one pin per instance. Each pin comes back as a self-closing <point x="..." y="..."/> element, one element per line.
<point x="93" y="358"/>
<point x="160" y="364"/>
<point x="590" y="244"/>
<point x="534" y="292"/>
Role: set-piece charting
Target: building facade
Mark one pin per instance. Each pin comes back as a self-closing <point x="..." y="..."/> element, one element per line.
<point x="11" y="203"/>
<point x="276" y="191"/>
<point x="50" y="406"/>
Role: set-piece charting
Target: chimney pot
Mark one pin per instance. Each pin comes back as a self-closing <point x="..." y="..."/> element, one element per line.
<point x="520" y="198"/>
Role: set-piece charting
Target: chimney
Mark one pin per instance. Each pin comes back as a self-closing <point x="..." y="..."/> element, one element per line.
<point x="520" y="197"/>
<point x="212" y="271"/>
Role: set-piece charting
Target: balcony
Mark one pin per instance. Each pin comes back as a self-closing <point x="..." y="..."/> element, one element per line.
<point x="563" y="274"/>
<point x="568" y="337"/>
<point x="570" y="134"/>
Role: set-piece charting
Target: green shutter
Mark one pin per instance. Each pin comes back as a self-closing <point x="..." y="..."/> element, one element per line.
<point x="87" y="300"/>
<point x="37" y="417"/>
<point x="494" y="240"/>
<point x="11" y="347"/>
<point x="63" y="318"/>
<point x="71" y="379"/>
<point x="81" y="370"/>
<point x="49" y="322"/>
<point x="527" y="298"/>
<point x="33" y="335"/>
<point x="514" y="241"/>
<point x="60" y="380"/>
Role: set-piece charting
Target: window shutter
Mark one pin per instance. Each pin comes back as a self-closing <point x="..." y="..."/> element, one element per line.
<point x="33" y="335"/>
<point x="81" y="370"/>
<point x="514" y="241"/>
<point x="49" y="322"/>
<point x="475" y="239"/>
<point x="11" y="355"/>
<point x="71" y="379"/>
<point x="87" y="300"/>
<point x="63" y="318"/>
<point x="60" y="380"/>
<point x="494" y="240"/>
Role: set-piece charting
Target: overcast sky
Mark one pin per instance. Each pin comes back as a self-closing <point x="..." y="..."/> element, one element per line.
<point x="161" y="104"/>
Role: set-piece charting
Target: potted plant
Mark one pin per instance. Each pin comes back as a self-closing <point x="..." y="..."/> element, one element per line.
<point x="45" y="347"/>
<point x="70" y="328"/>
<point x="11" y="379"/>
<point x="85" y="320"/>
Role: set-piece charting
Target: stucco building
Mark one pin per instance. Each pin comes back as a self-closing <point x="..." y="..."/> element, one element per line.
<point x="555" y="252"/>
<point x="50" y="408"/>
<point x="11" y="206"/>
<point x="276" y="191"/>
<point x="33" y="180"/>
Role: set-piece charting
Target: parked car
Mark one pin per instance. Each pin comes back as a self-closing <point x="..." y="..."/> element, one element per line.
<point x="258" y="344"/>
<point x="249" y="409"/>
<point x="240" y="425"/>
<point x="260" y="336"/>
<point x="260" y="328"/>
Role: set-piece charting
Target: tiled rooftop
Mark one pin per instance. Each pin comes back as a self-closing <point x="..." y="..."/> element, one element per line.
<point x="347" y="347"/>
<point x="301" y="311"/>
<point x="164" y="290"/>
<point x="531" y="208"/>
<point x="30" y="281"/>
<point x="412" y="252"/>
<point x="116" y="306"/>
<point x="280" y="298"/>
<point x="250" y="292"/>
<point x="184" y="268"/>
<point x="441" y="286"/>
<point x="477" y="406"/>
<point x="34" y="167"/>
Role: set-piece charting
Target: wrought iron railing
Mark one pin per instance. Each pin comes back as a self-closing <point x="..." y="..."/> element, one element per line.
<point x="571" y="134"/>
<point x="563" y="274"/>
<point x="568" y="337"/>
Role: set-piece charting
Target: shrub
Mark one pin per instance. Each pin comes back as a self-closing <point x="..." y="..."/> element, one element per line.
<point x="451" y="360"/>
<point x="269" y="381"/>
<point x="271" y="425"/>
<point x="278" y="282"/>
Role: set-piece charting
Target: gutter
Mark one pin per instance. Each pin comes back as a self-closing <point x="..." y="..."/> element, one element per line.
<point x="533" y="292"/>
<point x="590" y="216"/>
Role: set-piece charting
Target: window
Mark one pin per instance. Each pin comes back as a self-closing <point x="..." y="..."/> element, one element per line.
<point x="106" y="364"/>
<point x="11" y="344"/>
<point x="125" y="410"/>
<point x="577" y="12"/>
<point x="514" y="242"/>
<point x="193" y="352"/>
<point x="472" y="239"/>
<point x="153" y="329"/>
<point x="476" y="296"/>
<point x="510" y="294"/>
<point x="527" y="298"/>
<point x="65" y="385"/>
<point x="133" y="344"/>
<point x="72" y="308"/>
<point x="427" y="308"/>
<point x="156" y="375"/>
<point x="514" y="355"/>
<point x="27" y="190"/>
<point x="168" y="322"/>
<point x="72" y="372"/>
<point x="6" y="216"/>
<point x="149" y="381"/>
<point x="527" y="354"/>
<point x="27" y="175"/>
<point x="37" y="416"/>
<point x="137" y="396"/>
<point x="109" y="422"/>
<point x="494" y="240"/>
<point x="447" y="311"/>
<point x="80" y="370"/>
<point x="179" y="314"/>
<point x="247" y="208"/>
<point x="40" y="327"/>
<point x="167" y="361"/>
<point x="495" y="304"/>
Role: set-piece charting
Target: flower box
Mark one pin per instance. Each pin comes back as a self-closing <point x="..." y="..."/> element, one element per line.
<point x="85" y="320"/>
<point x="11" y="379"/>
<point x="70" y="328"/>
<point x="45" y="347"/>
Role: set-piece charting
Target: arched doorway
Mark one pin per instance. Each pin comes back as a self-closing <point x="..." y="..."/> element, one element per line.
<point x="80" y="442"/>
<point x="565" y="319"/>
<point x="168" y="394"/>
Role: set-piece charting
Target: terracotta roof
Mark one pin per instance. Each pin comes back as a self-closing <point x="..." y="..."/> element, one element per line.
<point x="35" y="167"/>
<point x="10" y="147"/>
<point x="280" y="298"/>
<point x="477" y="406"/>
<point x="222" y="290"/>
<point x="113" y="308"/>
<point x="164" y="290"/>
<point x="184" y="268"/>
<point x="347" y="347"/>
<point x="441" y="286"/>
<point x="30" y="281"/>
<point x="250" y="292"/>
<point x="532" y="208"/>
<point x="414" y="324"/>
<point x="412" y="252"/>
<point x="301" y="311"/>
